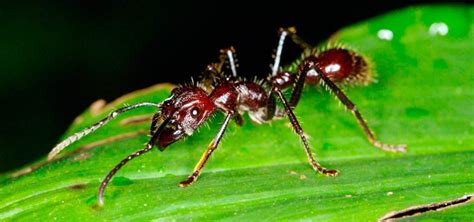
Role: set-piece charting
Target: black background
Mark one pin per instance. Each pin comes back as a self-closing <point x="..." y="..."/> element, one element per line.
<point x="60" y="56"/>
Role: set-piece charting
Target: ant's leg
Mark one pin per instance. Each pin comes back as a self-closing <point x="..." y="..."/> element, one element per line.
<point x="238" y="119"/>
<point x="228" y="55"/>
<point x="296" y="39"/>
<point x="316" y="166"/>
<point x="154" y="122"/>
<point x="205" y="156"/>
<point x="286" y="82"/>
<point x="147" y="148"/>
<point x="281" y="42"/>
<point x="297" y="89"/>
<point x="271" y="108"/>
<point x="284" y="32"/>
<point x="351" y="106"/>
<point x="278" y="79"/>
<point x="299" y="84"/>
<point x="58" y="148"/>
<point x="214" y="70"/>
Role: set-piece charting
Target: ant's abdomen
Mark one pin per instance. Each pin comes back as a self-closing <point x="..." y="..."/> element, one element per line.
<point x="340" y="65"/>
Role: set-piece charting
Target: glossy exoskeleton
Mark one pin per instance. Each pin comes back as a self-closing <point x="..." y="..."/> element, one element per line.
<point x="190" y="106"/>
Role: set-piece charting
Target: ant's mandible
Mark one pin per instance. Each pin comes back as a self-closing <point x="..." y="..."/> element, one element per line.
<point x="189" y="106"/>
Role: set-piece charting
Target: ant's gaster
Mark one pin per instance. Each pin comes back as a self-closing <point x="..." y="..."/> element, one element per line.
<point x="189" y="106"/>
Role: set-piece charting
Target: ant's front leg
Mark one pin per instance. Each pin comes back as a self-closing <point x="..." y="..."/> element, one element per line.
<point x="154" y="122"/>
<point x="205" y="156"/>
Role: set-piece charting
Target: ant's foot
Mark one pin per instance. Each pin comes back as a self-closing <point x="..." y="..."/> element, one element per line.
<point x="402" y="148"/>
<point x="331" y="173"/>
<point x="324" y="171"/>
<point x="186" y="183"/>
<point x="189" y="181"/>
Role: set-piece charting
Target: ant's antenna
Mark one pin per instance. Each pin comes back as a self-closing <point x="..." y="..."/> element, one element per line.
<point x="71" y="139"/>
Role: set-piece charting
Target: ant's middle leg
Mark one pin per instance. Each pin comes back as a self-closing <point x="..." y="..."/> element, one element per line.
<point x="282" y="80"/>
<point x="299" y="130"/>
<point x="238" y="119"/>
<point x="298" y="82"/>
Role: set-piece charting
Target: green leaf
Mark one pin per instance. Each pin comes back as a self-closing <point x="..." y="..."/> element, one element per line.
<point x="423" y="97"/>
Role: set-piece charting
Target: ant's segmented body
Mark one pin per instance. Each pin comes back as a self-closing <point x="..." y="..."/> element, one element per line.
<point x="189" y="106"/>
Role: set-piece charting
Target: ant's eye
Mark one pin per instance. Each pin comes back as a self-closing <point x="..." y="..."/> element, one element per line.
<point x="168" y="102"/>
<point x="195" y="112"/>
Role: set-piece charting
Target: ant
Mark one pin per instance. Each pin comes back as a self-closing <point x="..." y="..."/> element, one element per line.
<point x="189" y="106"/>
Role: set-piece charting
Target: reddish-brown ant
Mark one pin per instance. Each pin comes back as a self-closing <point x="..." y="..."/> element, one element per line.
<point x="189" y="106"/>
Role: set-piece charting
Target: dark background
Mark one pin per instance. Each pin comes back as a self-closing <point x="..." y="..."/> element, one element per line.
<point x="60" y="56"/>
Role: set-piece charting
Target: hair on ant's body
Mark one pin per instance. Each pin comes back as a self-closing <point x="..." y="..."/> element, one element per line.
<point x="189" y="106"/>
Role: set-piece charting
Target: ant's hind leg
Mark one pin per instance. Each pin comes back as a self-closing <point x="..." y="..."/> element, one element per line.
<point x="295" y="38"/>
<point x="284" y="32"/>
<point x="205" y="156"/>
<point x="351" y="106"/>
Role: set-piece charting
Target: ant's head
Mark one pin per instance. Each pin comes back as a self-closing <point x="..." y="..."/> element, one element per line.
<point x="183" y="113"/>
